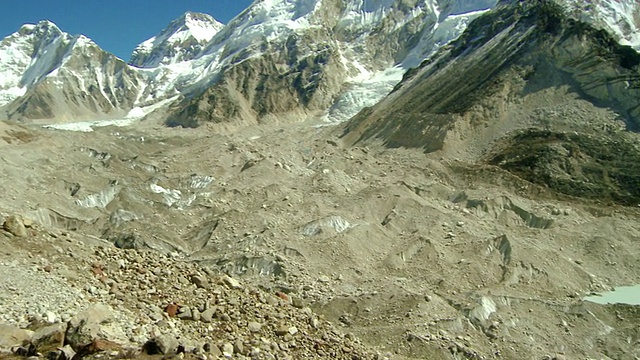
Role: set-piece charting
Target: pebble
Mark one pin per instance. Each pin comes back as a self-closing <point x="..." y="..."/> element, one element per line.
<point x="254" y="326"/>
<point x="207" y="315"/>
<point x="227" y="350"/>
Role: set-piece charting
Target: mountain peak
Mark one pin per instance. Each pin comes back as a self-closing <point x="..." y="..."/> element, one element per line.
<point x="181" y="41"/>
<point x="41" y="28"/>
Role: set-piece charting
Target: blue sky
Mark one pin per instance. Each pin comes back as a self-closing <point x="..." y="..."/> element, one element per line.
<point x="116" y="25"/>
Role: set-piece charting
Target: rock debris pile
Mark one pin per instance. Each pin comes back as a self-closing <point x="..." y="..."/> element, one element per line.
<point x="67" y="298"/>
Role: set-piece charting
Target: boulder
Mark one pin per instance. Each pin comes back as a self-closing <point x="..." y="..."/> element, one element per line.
<point x="12" y="336"/>
<point x="162" y="344"/>
<point x="230" y="282"/>
<point x="95" y="323"/>
<point x="14" y="225"/>
<point x="49" y="338"/>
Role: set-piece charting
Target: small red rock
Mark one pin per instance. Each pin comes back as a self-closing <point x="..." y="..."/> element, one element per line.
<point x="282" y="296"/>
<point x="172" y="309"/>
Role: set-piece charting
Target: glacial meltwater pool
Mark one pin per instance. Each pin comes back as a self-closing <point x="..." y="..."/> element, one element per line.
<point x="622" y="295"/>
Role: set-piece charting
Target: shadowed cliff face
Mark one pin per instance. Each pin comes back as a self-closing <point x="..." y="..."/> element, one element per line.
<point x="508" y="87"/>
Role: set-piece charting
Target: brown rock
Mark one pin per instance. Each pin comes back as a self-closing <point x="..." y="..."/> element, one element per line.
<point x="282" y="296"/>
<point x="14" y="225"/>
<point x="98" y="346"/>
<point x="172" y="309"/>
<point x="12" y="336"/>
<point x="49" y="338"/>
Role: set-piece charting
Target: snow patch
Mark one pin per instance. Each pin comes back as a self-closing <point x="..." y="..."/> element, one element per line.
<point x="333" y="223"/>
<point x="87" y="126"/>
<point x="99" y="200"/>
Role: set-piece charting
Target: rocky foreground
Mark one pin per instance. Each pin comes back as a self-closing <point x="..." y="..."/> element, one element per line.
<point x="66" y="296"/>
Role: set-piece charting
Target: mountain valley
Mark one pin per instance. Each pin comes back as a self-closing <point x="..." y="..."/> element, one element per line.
<point x="353" y="180"/>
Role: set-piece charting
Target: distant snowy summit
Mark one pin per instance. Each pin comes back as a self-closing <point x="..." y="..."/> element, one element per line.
<point x="182" y="40"/>
<point x="279" y="60"/>
<point x="49" y="74"/>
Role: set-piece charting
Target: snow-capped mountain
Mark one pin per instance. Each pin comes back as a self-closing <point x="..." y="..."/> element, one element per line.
<point x="281" y="60"/>
<point x="49" y="74"/>
<point x="181" y="41"/>
<point x="621" y="18"/>
<point x="291" y="59"/>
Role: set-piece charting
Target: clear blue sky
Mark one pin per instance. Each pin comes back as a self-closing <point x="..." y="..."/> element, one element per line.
<point x="115" y="25"/>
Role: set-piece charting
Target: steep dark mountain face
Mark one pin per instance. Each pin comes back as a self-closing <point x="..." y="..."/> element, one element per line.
<point x="499" y="95"/>
<point x="287" y="61"/>
<point x="283" y="81"/>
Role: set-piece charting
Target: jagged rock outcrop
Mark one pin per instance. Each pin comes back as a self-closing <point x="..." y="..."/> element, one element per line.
<point x="487" y="89"/>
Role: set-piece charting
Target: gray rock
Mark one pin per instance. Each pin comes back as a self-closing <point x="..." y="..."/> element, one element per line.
<point x="14" y="225"/>
<point x="214" y="350"/>
<point x="94" y="323"/>
<point x="185" y="313"/>
<point x="254" y="326"/>
<point x="207" y="315"/>
<point x="231" y="282"/>
<point x="67" y="353"/>
<point x="195" y="314"/>
<point x="238" y="347"/>
<point x="297" y="302"/>
<point x="162" y="344"/>
<point x="12" y="336"/>
<point x="200" y="281"/>
<point x="227" y="349"/>
<point x="49" y="338"/>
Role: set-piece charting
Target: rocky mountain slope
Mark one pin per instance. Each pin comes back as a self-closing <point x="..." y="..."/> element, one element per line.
<point x="480" y="99"/>
<point x="441" y="258"/>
